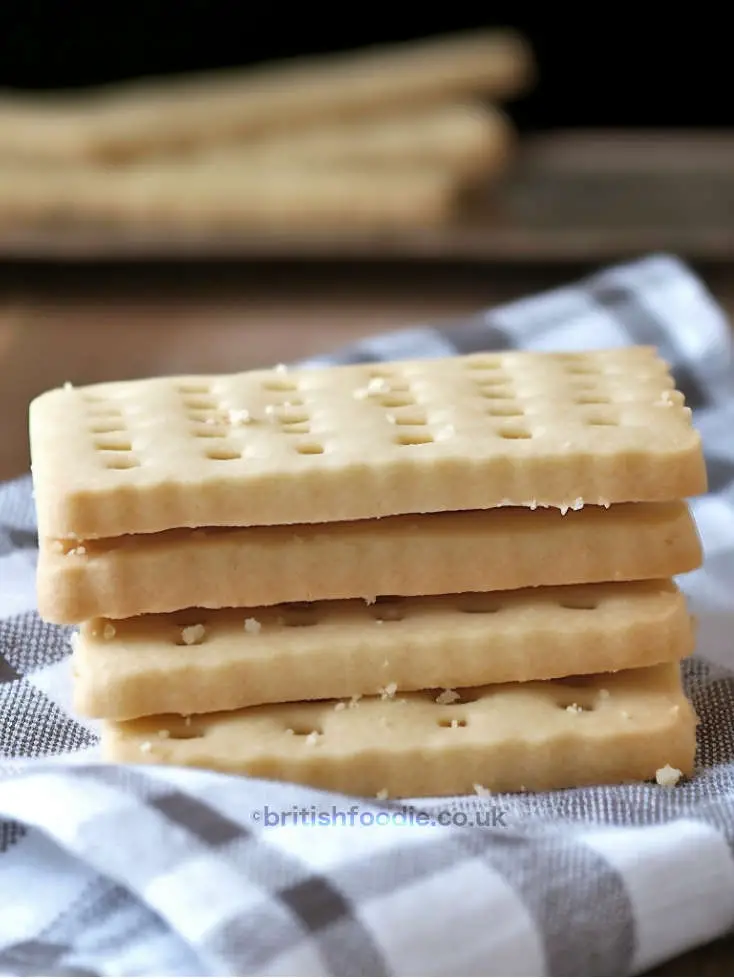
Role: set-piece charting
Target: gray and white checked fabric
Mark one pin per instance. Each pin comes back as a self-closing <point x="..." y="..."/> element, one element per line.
<point x="159" y="871"/>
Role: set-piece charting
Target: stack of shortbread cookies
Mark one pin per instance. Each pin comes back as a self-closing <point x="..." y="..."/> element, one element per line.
<point x="387" y="137"/>
<point x="405" y="579"/>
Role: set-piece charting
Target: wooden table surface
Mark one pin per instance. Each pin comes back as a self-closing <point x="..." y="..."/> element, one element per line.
<point x="91" y="324"/>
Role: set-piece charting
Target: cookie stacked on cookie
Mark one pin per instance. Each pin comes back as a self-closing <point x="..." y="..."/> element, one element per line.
<point x="401" y="579"/>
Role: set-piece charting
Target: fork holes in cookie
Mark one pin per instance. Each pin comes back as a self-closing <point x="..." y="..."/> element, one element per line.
<point x="304" y="730"/>
<point x="599" y="419"/>
<point x="451" y="722"/>
<point x="580" y="604"/>
<point x="280" y="384"/>
<point x="409" y="417"/>
<point x="185" y="732"/>
<point x="111" y="427"/>
<point x="222" y="453"/>
<point x="514" y="433"/>
<point x="592" y="399"/>
<point x="200" y="404"/>
<point x="387" y="608"/>
<point x="120" y="461"/>
<point x="199" y="415"/>
<point x="496" y="394"/>
<point x="300" y="428"/>
<point x="209" y="432"/>
<point x="478" y="605"/>
<point x="292" y="417"/>
<point x="110" y="444"/>
<point x="194" y="388"/>
<point x="414" y="438"/>
<point x="505" y="411"/>
<point x="297" y="614"/>
<point x="397" y="400"/>
<point x="310" y="449"/>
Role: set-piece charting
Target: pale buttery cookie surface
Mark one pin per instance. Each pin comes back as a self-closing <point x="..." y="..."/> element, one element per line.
<point x="195" y="662"/>
<point x="432" y="554"/>
<point x="347" y="443"/>
<point x="578" y="731"/>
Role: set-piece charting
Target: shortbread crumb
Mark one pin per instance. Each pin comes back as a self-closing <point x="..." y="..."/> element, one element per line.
<point x="192" y="634"/>
<point x="355" y="699"/>
<point x="340" y="705"/>
<point x="377" y="385"/>
<point x="389" y="691"/>
<point x="239" y="416"/>
<point x="481" y="790"/>
<point x="578" y="503"/>
<point x="668" y="776"/>
<point x="252" y="626"/>
<point x="574" y="709"/>
<point x="448" y="697"/>
<point x="146" y="747"/>
<point x="454" y="723"/>
<point x="109" y="631"/>
<point x="369" y="599"/>
<point x="78" y="551"/>
<point x="68" y="386"/>
<point x="382" y="794"/>
<point x="280" y="369"/>
<point x="312" y="738"/>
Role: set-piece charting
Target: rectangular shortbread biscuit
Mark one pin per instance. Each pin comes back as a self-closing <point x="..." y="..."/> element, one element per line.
<point x="196" y="662"/>
<point x="610" y="728"/>
<point x="345" y="443"/>
<point x="175" y="114"/>
<point x="251" y="196"/>
<point x="465" y="138"/>
<point x="432" y="554"/>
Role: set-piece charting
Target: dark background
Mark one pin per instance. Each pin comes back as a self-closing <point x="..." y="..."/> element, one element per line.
<point x="606" y="65"/>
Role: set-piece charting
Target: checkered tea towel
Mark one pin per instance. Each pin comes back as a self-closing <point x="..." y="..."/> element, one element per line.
<point x="133" y="871"/>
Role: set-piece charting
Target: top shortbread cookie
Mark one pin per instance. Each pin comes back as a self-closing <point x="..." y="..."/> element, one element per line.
<point x="285" y="446"/>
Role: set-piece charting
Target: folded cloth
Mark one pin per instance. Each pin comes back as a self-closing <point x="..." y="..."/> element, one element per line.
<point x="107" y="870"/>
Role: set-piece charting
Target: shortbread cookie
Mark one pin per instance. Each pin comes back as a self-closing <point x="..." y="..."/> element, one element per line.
<point x="554" y="734"/>
<point x="466" y="138"/>
<point x="431" y="554"/>
<point x="174" y="114"/>
<point x="235" y="196"/>
<point x="196" y="662"/>
<point x="346" y="443"/>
